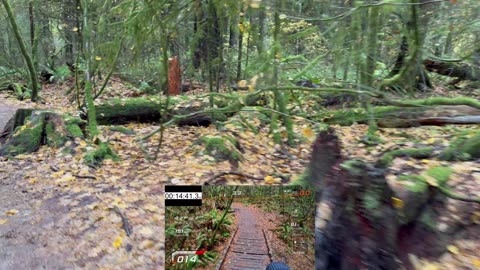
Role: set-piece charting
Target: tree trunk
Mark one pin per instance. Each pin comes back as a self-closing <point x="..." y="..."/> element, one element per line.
<point x="174" y="77"/>
<point x="23" y="48"/>
<point x="348" y="234"/>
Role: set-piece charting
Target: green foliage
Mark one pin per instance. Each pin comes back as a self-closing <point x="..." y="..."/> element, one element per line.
<point x="441" y="174"/>
<point x="94" y="158"/>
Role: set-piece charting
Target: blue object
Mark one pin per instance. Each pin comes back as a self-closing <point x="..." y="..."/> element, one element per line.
<point x="277" y="266"/>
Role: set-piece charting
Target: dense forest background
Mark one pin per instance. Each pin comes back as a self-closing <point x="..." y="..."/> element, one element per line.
<point x="374" y="103"/>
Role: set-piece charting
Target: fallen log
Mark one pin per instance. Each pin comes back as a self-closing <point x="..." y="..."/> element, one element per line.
<point x="403" y="117"/>
<point x="187" y="109"/>
<point x="458" y="70"/>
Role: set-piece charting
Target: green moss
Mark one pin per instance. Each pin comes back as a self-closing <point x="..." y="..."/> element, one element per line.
<point x="103" y="151"/>
<point x="75" y="131"/>
<point x="463" y="148"/>
<point x="371" y="199"/>
<point x="122" y="129"/>
<point x="387" y="158"/>
<point x="222" y="147"/>
<point x="445" y="101"/>
<point x="54" y="138"/>
<point x="441" y="174"/>
<point x="419" y="183"/>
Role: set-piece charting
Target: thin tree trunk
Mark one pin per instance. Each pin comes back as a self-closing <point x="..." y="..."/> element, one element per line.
<point x="240" y="50"/>
<point x="23" y="48"/>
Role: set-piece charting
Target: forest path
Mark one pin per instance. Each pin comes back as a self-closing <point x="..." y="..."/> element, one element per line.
<point x="249" y="249"/>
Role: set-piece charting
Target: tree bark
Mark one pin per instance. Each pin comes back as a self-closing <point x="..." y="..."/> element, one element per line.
<point x="174" y="77"/>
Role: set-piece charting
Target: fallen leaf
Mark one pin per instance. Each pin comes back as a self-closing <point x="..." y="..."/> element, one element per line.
<point x="118" y="242"/>
<point x="11" y="212"/>
<point x="453" y="249"/>
<point x="397" y="203"/>
<point x="3" y="221"/>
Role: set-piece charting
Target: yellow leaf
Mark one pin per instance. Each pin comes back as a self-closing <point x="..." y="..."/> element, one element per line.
<point x="58" y="174"/>
<point x="453" y="249"/>
<point x="242" y="83"/>
<point x="268" y="179"/>
<point x="11" y="212"/>
<point x="251" y="88"/>
<point x="241" y="27"/>
<point x="32" y="181"/>
<point x="151" y="208"/>
<point x="75" y="29"/>
<point x="118" y="242"/>
<point x="67" y="178"/>
<point x="476" y="262"/>
<point x="430" y="141"/>
<point x="22" y="156"/>
<point x="308" y="132"/>
<point x="3" y="221"/>
<point x="146" y="244"/>
<point x="397" y="203"/>
<point x="430" y="180"/>
<point x="98" y="58"/>
<point x="198" y="174"/>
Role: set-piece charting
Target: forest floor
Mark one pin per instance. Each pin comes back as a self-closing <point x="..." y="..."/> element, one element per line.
<point x="56" y="212"/>
<point x="251" y="221"/>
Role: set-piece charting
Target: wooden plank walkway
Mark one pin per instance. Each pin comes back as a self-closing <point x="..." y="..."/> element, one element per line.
<point x="249" y="249"/>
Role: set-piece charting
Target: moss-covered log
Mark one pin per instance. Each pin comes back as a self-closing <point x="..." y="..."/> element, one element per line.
<point x="187" y="110"/>
<point x="398" y="117"/>
<point x="31" y="129"/>
<point x="459" y="70"/>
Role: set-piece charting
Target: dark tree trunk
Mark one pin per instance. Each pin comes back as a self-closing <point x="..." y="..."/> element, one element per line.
<point x="349" y="235"/>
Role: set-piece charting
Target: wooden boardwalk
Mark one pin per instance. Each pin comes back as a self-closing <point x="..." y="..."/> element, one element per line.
<point x="249" y="249"/>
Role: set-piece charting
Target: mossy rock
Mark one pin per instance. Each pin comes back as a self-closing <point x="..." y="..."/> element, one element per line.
<point x="224" y="147"/>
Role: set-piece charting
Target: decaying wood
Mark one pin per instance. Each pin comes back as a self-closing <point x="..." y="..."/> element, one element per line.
<point x="174" y="77"/>
<point x="458" y="70"/>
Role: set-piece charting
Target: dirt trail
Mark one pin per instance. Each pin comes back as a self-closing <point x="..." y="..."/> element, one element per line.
<point x="249" y="249"/>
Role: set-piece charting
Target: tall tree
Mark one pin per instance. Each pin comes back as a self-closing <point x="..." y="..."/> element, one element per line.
<point x="23" y="48"/>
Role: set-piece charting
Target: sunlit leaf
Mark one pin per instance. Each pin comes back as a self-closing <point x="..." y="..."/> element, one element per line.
<point x="11" y="212"/>
<point x="453" y="249"/>
<point x="118" y="242"/>
<point x="397" y="203"/>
